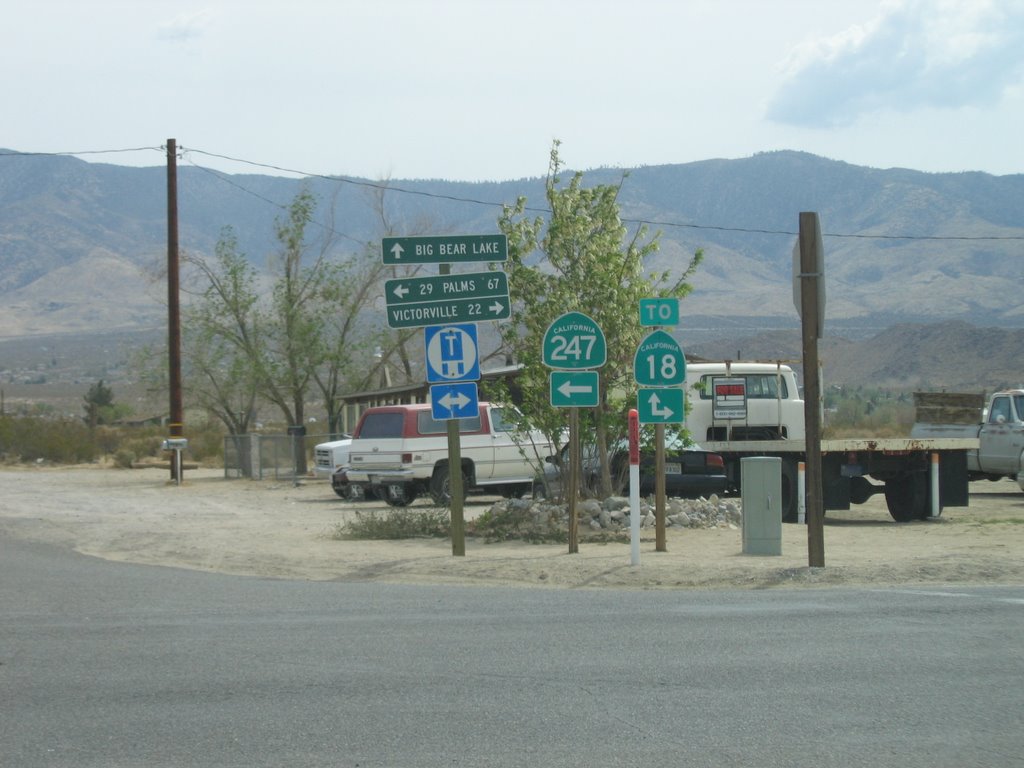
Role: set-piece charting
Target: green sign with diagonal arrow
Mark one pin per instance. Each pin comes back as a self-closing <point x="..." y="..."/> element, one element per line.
<point x="661" y="406"/>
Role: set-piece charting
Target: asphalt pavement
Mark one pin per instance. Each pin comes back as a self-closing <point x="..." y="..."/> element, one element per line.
<point x="108" y="664"/>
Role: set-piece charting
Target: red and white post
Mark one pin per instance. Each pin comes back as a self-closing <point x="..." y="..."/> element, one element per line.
<point x="634" y="486"/>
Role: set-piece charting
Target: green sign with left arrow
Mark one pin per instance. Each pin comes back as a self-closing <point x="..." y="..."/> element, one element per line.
<point x="574" y="389"/>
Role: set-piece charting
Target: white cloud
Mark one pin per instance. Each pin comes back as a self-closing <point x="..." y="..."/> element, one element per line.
<point x="917" y="53"/>
<point x="185" y="27"/>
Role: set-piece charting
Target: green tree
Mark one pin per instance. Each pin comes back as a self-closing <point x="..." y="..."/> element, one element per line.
<point x="307" y="334"/>
<point x="581" y="257"/>
<point x="99" y="404"/>
<point x="222" y="336"/>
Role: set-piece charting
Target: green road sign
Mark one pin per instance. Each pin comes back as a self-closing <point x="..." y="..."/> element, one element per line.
<point x="659" y="312"/>
<point x="574" y="389"/>
<point x="447" y="249"/>
<point x="423" y="313"/>
<point x="574" y="341"/>
<point x="659" y="361"/>
<point x="661" y="406"/>
<point x="418" y="290"/>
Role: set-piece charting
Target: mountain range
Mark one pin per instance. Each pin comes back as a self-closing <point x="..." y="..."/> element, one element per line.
<point x="83" y="245"/>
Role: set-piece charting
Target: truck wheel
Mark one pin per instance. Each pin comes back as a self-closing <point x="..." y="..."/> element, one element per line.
<point x="440" y="486"/>
<point x="790" y="492"/>
<point x="906" y="496"/>
<point x="350" y="493"/>
<point x="398" y="494"/>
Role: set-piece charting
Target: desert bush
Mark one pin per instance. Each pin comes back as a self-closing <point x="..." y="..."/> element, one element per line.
<point x="507" y="522"/>
<point x="397" y="524"/>
<point x="124" y="458"/>
<point x="70" y="441"/>
<point x="62" y="441"/>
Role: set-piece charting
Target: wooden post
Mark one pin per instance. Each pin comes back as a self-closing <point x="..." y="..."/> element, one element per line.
<point x="811" y="279"/>
<point x="659" y="488"/>
<point x="177" y="417"/>
<point x="455" y="484"/>
<point x="574" y="478"/>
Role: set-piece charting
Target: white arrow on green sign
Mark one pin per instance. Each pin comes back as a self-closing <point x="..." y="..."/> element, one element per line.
<point x="574" y="389"/>
<point x="661" y="406"/>
<point x="659" y="361"/>
<point x="574" y="342"/>
<point x="418" y="301"/>
<point x="449" y="249"/>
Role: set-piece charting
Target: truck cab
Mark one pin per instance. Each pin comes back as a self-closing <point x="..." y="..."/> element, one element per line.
<point x="1001" y="437"/>
<point x="743" y="401"/>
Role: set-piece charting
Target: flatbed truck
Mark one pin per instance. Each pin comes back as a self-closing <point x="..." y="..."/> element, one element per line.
<point x="747" y="409"/>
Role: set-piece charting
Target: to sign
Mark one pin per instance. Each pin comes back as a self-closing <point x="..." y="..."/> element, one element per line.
<point x="574" y="389"/>
<point x="659" y="361"/>
<point x="659" y="312"/>
<point x="661" y="406"/>
<point x="444" y="250"/>
<point x="451" y="353"/>
<point x="575" y="342"/>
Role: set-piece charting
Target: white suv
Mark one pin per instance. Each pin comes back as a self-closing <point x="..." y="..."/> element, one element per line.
<point x="400" y="452"/>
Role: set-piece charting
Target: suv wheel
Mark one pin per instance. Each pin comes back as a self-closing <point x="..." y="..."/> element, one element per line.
<point x="440" y="486"/>
<point x="398" y="494"/>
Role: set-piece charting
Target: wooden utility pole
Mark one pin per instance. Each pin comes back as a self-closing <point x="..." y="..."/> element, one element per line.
<point x="812" y="317"/>
<point x="177" y="414"/>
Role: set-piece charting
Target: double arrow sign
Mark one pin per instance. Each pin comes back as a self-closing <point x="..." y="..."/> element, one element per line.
<point x="443" y="299"/>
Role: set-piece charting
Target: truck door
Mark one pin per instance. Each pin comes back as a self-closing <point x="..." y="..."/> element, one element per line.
<point x="508" y="461"/>
<point x="1001" y="439"/>
<point x="477" y="446"/>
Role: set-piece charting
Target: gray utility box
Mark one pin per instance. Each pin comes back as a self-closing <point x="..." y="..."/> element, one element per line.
<point x="761" y="481"/>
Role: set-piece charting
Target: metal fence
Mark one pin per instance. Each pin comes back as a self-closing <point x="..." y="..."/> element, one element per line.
<point x="263" y="457"/>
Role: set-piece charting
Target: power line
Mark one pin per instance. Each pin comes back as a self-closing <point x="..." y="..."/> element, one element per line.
<point x="648" y="222"/>
<point x="490" y="203"/>
<point x="83" y="152"/>
<point x="280" y="206"/>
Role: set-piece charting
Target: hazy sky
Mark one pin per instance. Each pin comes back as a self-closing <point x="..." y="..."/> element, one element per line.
<point x="478" y="89"/>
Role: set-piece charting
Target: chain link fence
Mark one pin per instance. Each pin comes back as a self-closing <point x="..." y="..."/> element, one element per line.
<point x="268" y="457"/>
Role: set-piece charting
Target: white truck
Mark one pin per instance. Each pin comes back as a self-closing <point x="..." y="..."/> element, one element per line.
<point x="741" y="409"/>
<point x="331" y="456"/>
<point x="998" y="426"/>
<point x="399" y="452"/>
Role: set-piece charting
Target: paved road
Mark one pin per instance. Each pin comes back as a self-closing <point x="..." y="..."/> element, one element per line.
<point x="105" y="664"/>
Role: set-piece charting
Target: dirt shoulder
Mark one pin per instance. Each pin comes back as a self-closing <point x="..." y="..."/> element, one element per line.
<point x="276" y="529"/>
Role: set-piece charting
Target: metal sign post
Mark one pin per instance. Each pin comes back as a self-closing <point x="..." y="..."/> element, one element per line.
<point x="574" y="345"/>
<point x="660" y="362"/>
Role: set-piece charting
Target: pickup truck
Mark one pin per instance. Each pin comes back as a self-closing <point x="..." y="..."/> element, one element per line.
<point x="743" y="409"/>
<point x="329" y="456"/>
<point x="400" y="452"/>
<point x="999" y="428"/>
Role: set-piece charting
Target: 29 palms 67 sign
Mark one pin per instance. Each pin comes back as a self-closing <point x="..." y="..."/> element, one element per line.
<point x="413" y="302"/>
